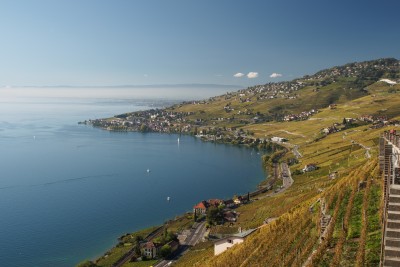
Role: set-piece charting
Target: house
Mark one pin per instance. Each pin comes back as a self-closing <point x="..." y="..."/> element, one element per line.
<point x="329" y="130"/>
<point x="238" y="200"/>
<point x="227" y="242"/>
<point x="201" y="207"/>
<point x="332" y="175"/>
<point x="229" y="203"/>
<point x="332" y="106"/>
<point x="149" y="250"/>
<point x="278" y="139"/>
<point x="174" y="245"/>
<point x="215" y="202"/>
<point x="310" y="167"/>
<point x="230" y="216"/>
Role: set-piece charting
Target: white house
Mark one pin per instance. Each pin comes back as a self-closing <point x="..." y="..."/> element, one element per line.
<point x="278" y="139"/>
<point x="227" y="242"/>
<point x="149" y="250"/>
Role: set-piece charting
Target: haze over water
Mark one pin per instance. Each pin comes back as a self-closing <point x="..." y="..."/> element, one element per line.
<point x="67" y="191"/>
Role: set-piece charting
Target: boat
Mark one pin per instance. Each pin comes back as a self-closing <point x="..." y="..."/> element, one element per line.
<point x="168" y="199"/>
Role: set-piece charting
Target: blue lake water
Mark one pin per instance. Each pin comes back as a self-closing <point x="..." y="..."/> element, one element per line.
<point x="67" y="191"/>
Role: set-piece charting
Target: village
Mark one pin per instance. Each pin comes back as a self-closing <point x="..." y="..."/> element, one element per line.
<point x="162" y="121"/>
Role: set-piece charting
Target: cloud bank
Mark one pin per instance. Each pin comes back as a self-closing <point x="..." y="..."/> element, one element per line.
<point x="275" y="75"/>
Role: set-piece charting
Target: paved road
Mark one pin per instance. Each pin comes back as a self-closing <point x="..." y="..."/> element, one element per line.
<point x="196" y="235"/>
<point x="296" y="152"/>
<point x="367" y="154"/>
<point x="286" y="175"/>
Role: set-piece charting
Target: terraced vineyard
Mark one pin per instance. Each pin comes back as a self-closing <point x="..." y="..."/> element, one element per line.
<point x="293" y="239"/>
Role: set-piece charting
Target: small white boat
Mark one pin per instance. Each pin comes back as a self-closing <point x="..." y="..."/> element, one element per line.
<point x="168" y="199"/>
<point x="178" y="140"/>
<point x="148" y="170"/>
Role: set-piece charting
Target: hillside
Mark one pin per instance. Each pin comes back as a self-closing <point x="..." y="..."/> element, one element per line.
<point x="273" y="101"/>
<point x="354" y="238"/>
<point x="351" y="107"/>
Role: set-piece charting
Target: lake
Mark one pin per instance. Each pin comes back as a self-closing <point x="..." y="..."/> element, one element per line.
<point x="67" y="191"/>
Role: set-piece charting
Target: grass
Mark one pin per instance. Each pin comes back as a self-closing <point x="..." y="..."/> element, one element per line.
<point x="197" y="255"/>
<point x="180" y="223"/>
<point x="112" y="256"/>
<point x="355" y="224"/>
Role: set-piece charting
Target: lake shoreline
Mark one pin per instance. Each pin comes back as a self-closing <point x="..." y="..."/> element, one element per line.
<point x="264" y="186"/>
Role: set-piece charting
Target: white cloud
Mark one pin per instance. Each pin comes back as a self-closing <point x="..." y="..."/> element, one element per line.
<point x="238" y="75"/>
<point x="252" y="75"/>
<point x="275" y="75"/>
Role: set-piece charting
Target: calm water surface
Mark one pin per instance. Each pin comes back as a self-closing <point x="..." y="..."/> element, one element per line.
<point x="67" y="191"/>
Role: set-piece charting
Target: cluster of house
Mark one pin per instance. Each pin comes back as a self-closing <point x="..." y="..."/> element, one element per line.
<point x="330" y="129"/>
<point x="376" y="121"/>
<point x="227" y="242"/>
<point x="271" y="90"/>
<point x="301" y="116"/>
<point x="229" y="215"/>
<point x="353" y="69"/>
<point x="155" y="120"/>
<point x="371" y="118"/>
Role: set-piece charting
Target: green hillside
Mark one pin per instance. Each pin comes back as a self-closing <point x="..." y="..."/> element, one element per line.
<point x="351" y="108"/>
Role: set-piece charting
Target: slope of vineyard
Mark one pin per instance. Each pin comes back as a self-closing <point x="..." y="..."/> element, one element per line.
<point x="352" y="197"/>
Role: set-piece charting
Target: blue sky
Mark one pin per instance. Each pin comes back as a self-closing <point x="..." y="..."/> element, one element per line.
<point x="95" y="42"/>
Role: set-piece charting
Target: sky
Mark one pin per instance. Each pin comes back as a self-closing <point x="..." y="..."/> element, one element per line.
<point x="147" y="42"/>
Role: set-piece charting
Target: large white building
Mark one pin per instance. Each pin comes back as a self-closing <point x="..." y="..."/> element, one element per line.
<point x="227" y="242"/>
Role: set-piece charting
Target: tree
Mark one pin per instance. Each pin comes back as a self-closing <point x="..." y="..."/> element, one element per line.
<point x="144" y="128"/>
<point x="195" y="216"/>
<point x="165" y="237"/>
<point x="165" y="250"/>
<point x="138" y="252"/>
<point x="138" y="239"/>
<point x="214" y="215"/>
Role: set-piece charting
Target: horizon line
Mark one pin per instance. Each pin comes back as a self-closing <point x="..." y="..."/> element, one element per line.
<point x="125" y="85"/>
